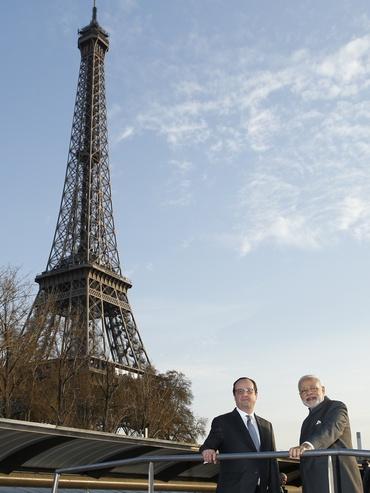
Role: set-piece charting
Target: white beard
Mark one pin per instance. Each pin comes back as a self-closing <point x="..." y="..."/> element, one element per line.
<point x="314" y="403"/>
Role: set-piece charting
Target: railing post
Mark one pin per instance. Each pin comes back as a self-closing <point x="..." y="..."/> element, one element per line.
<point x="55" y="483"/>
<point x="330" y="475"/>
<point x="151" y="478"/>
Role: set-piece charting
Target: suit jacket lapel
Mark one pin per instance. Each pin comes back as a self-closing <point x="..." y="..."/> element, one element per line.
<point x="264" y="434"/>
<point x="310" y="421"/>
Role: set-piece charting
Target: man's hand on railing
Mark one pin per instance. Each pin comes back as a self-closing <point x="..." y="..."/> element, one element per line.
<point x="296" y="452"/>
<point x="209" y="456"/>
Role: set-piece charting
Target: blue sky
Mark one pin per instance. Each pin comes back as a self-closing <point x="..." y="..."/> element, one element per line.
<point x="240" y="157"/>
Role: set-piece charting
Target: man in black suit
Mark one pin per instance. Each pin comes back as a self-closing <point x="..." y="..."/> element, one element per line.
<point x="242" y="431"/>
<point x="283" y="482"/>
<point x="326" y="426"/>
<point x="366" y="475"/>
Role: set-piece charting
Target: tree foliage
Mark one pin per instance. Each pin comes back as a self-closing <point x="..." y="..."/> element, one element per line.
<point x="160" y="403"/>
<point x="40" y="383"/>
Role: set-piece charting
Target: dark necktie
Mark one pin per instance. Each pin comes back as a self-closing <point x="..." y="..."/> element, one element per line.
<point x="253" y="433"/>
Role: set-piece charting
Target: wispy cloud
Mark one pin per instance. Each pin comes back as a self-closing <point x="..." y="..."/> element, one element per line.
<point x="179" y="124"/>
<point x="125" y="134"/>
<point x="303" y="121"/>
<point x="179" y="183"/>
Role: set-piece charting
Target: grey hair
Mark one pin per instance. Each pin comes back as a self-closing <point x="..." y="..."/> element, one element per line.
<point x="308" y="377"/>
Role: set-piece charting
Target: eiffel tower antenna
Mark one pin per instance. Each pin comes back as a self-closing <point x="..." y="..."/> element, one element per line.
<point x="94" y="13"/>
<point x="82" y="292"/>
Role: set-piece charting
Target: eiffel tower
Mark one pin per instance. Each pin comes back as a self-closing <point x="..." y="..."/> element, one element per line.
<point x="82" y="294"/>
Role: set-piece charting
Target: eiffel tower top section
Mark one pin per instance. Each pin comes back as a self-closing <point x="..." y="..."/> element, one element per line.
<point x="85" y="233"/>
<point x="93" y="31"/>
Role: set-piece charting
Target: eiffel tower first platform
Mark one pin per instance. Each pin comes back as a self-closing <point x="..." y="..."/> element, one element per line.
<point x="82" y="299"/>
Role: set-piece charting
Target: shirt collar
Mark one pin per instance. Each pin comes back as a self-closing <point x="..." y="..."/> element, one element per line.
<point x="243" y="415"/>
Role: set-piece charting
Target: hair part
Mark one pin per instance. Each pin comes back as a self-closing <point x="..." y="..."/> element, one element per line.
<point x="245" y="378"/>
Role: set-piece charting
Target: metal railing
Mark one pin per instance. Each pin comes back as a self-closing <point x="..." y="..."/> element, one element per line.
<point x="151" y="459"/>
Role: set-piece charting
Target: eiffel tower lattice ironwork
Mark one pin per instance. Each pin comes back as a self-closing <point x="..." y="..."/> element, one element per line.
<point x="82" y="292"/>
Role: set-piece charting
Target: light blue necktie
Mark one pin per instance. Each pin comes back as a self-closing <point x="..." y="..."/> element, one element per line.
<point x="253" y="433"/>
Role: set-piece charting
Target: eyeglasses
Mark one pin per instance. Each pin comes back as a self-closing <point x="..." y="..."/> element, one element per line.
<point x="248" y="390"/>
<point x="307" y="391"/>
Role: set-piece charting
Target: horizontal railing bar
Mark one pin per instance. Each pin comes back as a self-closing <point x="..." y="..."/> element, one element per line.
<point x="198" y="457"/>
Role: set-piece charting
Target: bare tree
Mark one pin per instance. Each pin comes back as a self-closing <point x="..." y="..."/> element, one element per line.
<point x="160" y="407"/>
<point x="15" y="294"/>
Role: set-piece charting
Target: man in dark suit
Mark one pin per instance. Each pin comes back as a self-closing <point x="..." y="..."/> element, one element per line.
<point x="242" y="431"/>
<point x="366" y="475"/>
<point x="326" y="426"/>
<point x="283" y="482"/>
